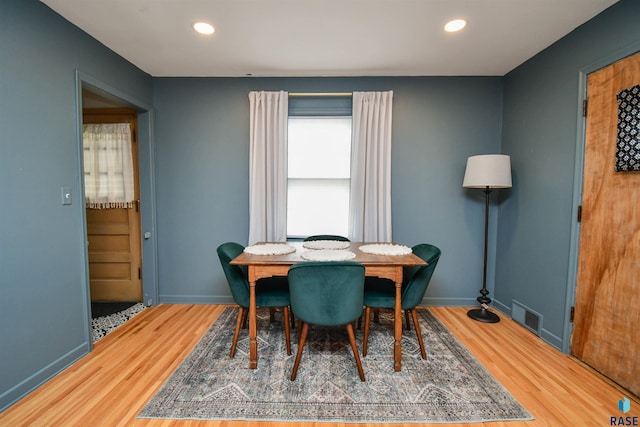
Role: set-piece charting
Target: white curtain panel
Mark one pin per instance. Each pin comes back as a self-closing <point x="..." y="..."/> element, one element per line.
<point x="370" y="195"/>
<point x="268" y="166"/>
<point x="108" y="166"/>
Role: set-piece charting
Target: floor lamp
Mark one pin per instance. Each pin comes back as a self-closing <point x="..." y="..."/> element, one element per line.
<point x="487" y="172"/>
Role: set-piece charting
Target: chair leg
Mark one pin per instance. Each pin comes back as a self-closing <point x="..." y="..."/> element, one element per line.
<point x="365" y="340"/>
<point x="241" y="312"/>
<point x="272" y="314"/>
<point x="303" y="338"/>
<point x="287" y="336"/>
<point x="376" y="315"/>
<point x="416" y="324"/>
<point x="406" y="315"/>
<point x="299" y="330"/>
<point x="354" y="347"/>
<point x="245" y="319"/>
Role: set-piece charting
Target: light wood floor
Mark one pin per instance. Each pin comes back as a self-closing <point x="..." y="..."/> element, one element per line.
<point x="110" y="386"/>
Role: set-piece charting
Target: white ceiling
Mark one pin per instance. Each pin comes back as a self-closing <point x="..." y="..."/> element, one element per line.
<point x="327" y="37"/>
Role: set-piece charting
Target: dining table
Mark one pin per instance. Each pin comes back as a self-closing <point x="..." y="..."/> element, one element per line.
<point x="386" y="266"/>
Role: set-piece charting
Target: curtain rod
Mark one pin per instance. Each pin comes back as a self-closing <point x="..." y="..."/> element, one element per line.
<point x="321" y="94"/>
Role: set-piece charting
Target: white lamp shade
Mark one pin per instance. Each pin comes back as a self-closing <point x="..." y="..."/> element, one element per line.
<point x="488" y="170"/>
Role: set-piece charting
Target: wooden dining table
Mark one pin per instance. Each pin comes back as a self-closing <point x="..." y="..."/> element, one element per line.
<point x="383" y="266"/>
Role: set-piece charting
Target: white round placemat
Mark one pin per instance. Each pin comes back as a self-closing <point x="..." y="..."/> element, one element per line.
<point x="327" y="255"/>
<point x="270" y="249"/>
<point x="325" y="244"/>
<point x="385" y="249"/>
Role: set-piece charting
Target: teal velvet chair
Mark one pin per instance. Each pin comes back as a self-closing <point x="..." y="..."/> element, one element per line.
<point x="381" y="293"/>
<point x="271" y="292"/>
<point x="326" y="237"/>
<point x="327" y="294"/>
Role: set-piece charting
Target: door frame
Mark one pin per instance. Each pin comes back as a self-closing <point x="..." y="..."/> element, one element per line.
<point x="146" y="165"/>
<point x="578" y="177"/>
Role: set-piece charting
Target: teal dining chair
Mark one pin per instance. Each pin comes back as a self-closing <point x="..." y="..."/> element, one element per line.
<point x="326" y="237"/>
<point x="328" y="293"/>
<point x="271" y="292"/>
<point x="381" y="293"/>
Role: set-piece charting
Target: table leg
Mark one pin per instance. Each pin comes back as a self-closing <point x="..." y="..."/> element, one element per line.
<point x="253" y="343"/>
<point x="397" y="349"/>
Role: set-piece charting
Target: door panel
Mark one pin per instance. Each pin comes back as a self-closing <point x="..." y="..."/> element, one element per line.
<point x="606" y="334"/>
<point x="115" y="253"/>
<point x="113" y="236"/>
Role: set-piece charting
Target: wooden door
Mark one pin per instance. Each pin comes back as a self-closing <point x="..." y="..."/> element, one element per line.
<point x="607" y="312"/>
<point x="115" y="261"/>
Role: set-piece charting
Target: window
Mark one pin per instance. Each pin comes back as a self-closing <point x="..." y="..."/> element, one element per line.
<point x="319" y="173"/>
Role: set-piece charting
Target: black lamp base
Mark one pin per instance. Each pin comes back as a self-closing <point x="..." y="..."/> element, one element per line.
<point x="483" y="315"/>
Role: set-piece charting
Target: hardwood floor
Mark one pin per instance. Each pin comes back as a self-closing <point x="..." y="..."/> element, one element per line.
<point x="110" y="386"/>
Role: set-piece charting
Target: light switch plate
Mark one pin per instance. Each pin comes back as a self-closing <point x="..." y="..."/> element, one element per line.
<point x="65" y="194"/>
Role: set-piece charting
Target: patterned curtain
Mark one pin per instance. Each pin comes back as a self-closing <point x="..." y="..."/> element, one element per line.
<point x="628" y="141"/>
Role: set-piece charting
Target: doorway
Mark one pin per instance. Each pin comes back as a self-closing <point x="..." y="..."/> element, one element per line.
<point x="94" y="93"/>
<point x="606" y="334"/>
<point x="113" y="236"/>
<point x="113" y="229"/>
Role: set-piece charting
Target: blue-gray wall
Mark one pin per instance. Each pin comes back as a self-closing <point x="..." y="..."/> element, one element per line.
<point x="200" y="132"/>
<point x="542" y="131"/>
<point x="43" y="295"/>
<point x="202" y="152"/>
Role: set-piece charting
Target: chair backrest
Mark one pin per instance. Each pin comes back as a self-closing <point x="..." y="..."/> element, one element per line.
<point x="327" y="293"/>
<point x="236" y="274"/>
<point x="416" y="284"/>
<point x="326" y="237"/>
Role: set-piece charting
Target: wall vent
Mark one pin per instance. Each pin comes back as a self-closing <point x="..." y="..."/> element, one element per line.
<point x="526" y="317"/>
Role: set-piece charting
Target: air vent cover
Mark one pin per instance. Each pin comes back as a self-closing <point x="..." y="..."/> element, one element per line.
<point x="526" y="317"/>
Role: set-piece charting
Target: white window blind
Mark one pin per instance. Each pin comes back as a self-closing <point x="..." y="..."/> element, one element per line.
<point x="319" y="174"/>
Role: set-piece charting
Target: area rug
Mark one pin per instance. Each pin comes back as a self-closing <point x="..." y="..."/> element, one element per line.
<point x="449" y="387"/>
<point x="104" y="325"/>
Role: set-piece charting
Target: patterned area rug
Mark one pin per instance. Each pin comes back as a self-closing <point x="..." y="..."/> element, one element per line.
<point x="102" y="326"/>
<point x="449" y="387"/>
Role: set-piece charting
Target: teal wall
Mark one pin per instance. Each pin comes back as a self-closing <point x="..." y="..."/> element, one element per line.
<point x="199" y="130"/>
<point x="43" y="296"/>
<point x="542" y="131"/>
<point x="202" y="152"/>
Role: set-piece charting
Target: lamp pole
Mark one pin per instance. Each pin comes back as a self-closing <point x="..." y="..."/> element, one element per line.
<point x="482" y="314"/>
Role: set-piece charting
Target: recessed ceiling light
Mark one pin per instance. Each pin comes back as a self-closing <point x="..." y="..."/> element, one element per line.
<point x="204" y="28"/>
<point x="455" y="25"/>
